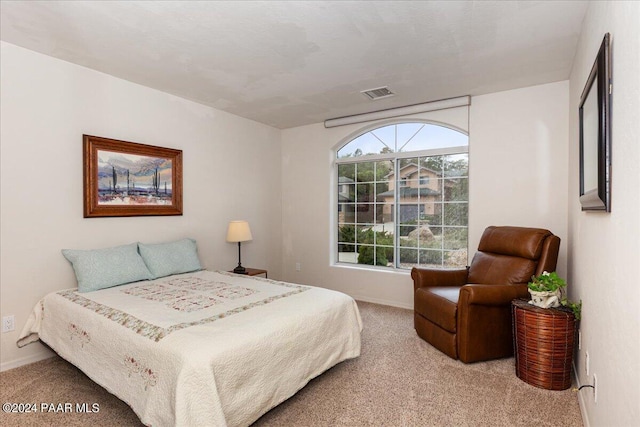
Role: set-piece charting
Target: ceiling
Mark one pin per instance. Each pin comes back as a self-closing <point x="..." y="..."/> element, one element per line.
<point x="291" y="63"/>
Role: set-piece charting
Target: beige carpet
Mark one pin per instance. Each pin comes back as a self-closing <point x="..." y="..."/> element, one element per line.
<point x="399" y="380"/>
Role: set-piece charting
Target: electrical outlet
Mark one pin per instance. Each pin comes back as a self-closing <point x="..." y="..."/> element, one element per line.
<point x="586" y="363"/>
<point x="595" y="388"/>
<point x="298" y="266"/>
<point x="8" y="323"/>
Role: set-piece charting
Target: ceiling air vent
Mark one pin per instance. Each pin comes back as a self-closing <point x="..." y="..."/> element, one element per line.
<point x="377" y="93"/>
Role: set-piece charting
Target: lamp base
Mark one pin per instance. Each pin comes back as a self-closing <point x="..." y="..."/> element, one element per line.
<point x="240" y="270"/>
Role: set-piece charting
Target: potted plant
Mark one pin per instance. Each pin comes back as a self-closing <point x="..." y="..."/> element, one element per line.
<point x="546" y="289"/>
<point x="546" y="292"/>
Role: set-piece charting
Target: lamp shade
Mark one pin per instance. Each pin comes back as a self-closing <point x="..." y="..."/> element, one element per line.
<point x="239" y="231"/>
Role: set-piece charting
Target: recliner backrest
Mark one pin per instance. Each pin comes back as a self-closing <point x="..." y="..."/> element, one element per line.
<point x="511" y="255"/>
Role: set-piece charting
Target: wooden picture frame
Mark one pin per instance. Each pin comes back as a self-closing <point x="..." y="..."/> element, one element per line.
<point x="595" y="134"/>
<point x="130" y="179"/>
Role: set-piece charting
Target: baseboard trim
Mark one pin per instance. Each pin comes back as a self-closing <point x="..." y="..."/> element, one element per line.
<point x="382" y="302"/>
<point x="26" y="360"/>
<point x="581" y="403"/>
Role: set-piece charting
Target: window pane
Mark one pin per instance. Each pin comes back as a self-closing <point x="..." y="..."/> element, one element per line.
<point x="388" y="254"/>
<point x="383" y="169"/>
<point x="382" y="258"/>
<point x="365" y="193"/>
<point x="383" y="237"/>
<point x="346" y="193"/>
<point x="407" y="133"/>
<point x="365" y="172"/>
<point x="363" y="235"/>
<point x="408" y="258"/>
<point x="455" y="238"/>
<point x="386" y="134"/>
<point x="426" y="237"/>
<point x="346" y="234"/>
<point x="456" y="214"/>
<point x="404" y="163"/>
<point x="347" y="173"/>
<point x="434" y="136"/>
<point x="433" y="164"/>
<point x="388" y="215"/>
<point x="415" y="236"/>
<point x="382" y="192"/>
<point x="433" y="214"/>
<point x="348" y="254"/>
<point x="408" y="241"/>
<point x="384" y="216"/>
<point x="410" y="184"/>
<point x="373" y="255"/>
<point x="362" y="145"/>
<point x="453" y="259"/>
<point x="428" y="211"/>
<point x="436" y="230"/>
<point x="365" y="213"/>
<point x="431" y="258"/>
<point x="408" y="214"/>
<point x="346" y="213"/>
<point x="384" y="247"/>
<point x="366" y="254"/>
<point x="404" y="230"/>
<point x="457" y="165"/>
<point x="456" y="190"/>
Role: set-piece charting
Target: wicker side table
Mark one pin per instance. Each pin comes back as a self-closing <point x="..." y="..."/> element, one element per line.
<point x="543" y="344"/>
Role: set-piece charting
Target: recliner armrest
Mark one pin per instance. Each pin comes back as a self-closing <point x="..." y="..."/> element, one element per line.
<point x="491" y="294"/>
<point x="424" y="277"/>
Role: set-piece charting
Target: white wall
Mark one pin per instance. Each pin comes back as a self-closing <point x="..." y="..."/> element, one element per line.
<point x="231" y="171"/>
<point x="517" y="161"/>
<point x="604" y="249"/>
<point x="518" y="155"/>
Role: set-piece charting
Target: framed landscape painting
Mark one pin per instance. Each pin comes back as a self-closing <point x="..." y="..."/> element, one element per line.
<point x="130" y="179"/>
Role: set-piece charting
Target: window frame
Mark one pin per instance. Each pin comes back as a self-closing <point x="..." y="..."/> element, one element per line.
<point x="394" y="157"/>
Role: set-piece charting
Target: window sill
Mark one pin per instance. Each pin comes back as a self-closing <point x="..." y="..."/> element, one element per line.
<point x="371" y="268"/>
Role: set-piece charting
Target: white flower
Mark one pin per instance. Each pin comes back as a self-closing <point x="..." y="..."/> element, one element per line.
<point x="545" y="273"/>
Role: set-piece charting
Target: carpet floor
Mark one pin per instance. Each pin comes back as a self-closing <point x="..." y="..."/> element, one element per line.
<point x="399" y="380"/>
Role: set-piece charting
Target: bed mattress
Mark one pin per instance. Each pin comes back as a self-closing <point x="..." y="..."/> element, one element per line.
<point x="200" y="349"/>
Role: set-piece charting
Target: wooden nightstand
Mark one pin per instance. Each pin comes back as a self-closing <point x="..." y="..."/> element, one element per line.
<point x="254" y="272"/>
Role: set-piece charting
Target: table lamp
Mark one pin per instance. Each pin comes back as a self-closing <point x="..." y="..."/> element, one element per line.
<point x="239" y="231"/>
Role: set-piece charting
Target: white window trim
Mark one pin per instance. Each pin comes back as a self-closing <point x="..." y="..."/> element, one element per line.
<point x="404" y="155"/>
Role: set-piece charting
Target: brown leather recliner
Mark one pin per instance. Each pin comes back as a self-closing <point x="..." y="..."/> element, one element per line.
<point x="466" y="313"/>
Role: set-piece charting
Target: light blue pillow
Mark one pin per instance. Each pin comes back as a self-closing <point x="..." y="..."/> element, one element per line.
<point x="165" y="259"/>
<point x="104" y="268"/>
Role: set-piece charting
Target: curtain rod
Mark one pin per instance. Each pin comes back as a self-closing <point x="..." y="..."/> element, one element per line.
<point x="442" y="104"/>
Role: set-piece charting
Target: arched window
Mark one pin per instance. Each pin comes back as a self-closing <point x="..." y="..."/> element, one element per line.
<point x="403" y="197"/>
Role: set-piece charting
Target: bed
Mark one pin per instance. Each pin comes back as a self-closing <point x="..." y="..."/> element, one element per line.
<point x="200" y="349"/>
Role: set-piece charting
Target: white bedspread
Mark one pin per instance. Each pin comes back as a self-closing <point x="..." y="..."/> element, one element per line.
<point x="200" y="349"/>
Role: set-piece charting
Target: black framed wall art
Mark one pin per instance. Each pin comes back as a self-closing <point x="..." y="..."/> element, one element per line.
<point x="595" y="134"/>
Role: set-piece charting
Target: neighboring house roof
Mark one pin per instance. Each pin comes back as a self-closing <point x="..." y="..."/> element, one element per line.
<point x="342" y="198"/>
<point x="345" y="180"/>
<point x="411" y="192"/>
